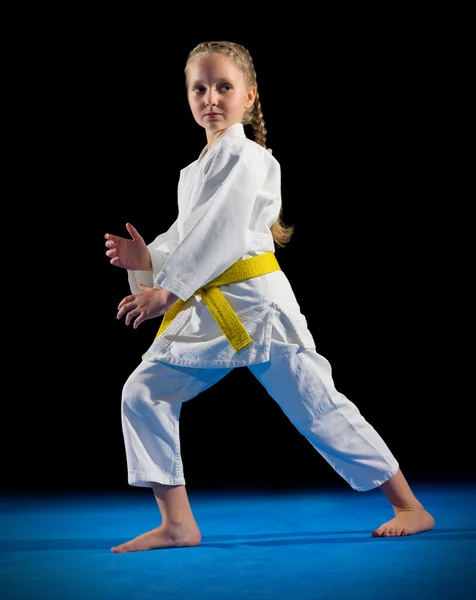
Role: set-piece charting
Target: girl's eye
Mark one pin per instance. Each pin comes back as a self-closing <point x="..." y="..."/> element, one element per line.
<point x="200" y="89"/>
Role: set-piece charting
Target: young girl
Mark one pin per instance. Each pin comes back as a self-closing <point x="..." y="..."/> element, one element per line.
<point x="226" y="303"/>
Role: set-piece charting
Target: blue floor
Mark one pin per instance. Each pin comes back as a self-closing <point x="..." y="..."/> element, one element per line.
<point x="255" y="545"/>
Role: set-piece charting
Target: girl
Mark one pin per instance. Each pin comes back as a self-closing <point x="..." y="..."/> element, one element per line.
<point x="226" y="303"/>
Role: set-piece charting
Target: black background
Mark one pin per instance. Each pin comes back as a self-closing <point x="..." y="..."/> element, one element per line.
<point x="356" y="115"/>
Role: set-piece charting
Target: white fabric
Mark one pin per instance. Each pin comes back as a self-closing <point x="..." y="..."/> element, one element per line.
<point x="227" y="200"/>
<point x="298" y="379"/>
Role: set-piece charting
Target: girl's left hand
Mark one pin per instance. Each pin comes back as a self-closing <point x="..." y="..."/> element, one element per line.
<point x="149" y="304"/>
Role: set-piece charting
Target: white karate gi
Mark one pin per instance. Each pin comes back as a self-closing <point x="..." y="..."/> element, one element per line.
<point x="227" y="200"/>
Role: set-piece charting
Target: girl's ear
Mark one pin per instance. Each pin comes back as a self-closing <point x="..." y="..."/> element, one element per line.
<point x="250" y="97"/>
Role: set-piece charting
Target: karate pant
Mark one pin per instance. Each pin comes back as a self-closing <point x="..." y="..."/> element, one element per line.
<point x="299" y="380"/>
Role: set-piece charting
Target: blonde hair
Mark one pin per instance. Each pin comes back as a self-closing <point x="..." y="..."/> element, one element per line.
<point x="253" y="116"/>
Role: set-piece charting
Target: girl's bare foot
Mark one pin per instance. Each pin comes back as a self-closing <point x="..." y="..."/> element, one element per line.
<point x="170" y="536"/>
<point x="410" y="515"/>
<point x="407" y="521"/>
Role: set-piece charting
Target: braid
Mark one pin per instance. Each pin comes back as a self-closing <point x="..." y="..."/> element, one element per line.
<point x="254" y="116"/>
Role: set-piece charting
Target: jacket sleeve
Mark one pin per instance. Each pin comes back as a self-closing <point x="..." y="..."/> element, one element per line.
<point x="216" y="231"/>
<point x="160" y="249"/>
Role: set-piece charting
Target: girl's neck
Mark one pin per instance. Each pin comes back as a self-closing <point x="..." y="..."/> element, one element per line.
<point x="213" y="136"/>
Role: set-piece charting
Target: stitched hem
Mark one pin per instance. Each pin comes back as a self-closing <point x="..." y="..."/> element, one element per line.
<point x="141" y="479"/>
<point x="377" y="482"/>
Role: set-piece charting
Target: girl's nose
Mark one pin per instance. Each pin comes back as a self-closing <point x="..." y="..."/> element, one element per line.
<point x="211" y="99"/>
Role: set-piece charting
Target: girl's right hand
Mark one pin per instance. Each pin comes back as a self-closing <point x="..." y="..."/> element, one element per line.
<point x="130" y="254"/>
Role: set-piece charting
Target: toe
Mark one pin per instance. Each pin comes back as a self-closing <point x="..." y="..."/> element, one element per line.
<point x="376" y="533"/>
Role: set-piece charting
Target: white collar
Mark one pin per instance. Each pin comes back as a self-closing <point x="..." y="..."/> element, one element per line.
<point x="235" y="130"/>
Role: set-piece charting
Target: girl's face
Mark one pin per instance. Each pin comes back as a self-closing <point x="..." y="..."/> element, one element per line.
<point x="217" y="94"/>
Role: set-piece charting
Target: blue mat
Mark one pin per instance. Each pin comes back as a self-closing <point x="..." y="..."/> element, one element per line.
<point x="312" y="544"/>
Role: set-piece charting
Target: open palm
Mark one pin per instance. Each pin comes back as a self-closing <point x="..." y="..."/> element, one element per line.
<point x="127" y="253"/>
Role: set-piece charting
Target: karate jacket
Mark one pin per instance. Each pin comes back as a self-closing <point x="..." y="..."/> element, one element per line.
<point x="227" y="200"/>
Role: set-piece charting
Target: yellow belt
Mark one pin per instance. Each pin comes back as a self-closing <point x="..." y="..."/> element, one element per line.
<point x="218" y="305"/>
